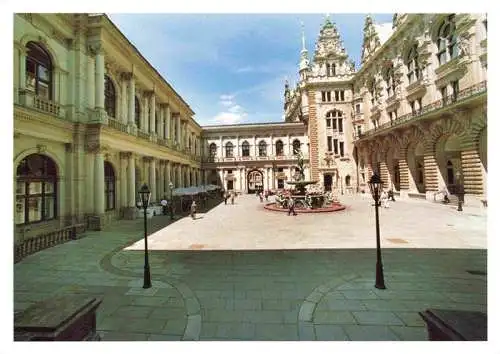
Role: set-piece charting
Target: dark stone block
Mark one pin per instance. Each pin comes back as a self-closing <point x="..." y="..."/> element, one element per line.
<point x="64" y="318"/>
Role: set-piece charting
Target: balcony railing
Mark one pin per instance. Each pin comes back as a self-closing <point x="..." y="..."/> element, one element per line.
<point x="434" y="106"/>
<point x="30" y="99"/>
<point x="215" y="159"/>
<point x="115" y="124"/>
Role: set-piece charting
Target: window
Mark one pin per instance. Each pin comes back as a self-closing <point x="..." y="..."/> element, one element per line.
<point x="329" y="142"/>
<point x="36" y="189"/>
<point x="262" y="148"/>
<point x="109" y="97"/>
<point x="347" y="181"/>
<point x="335" y="146"/>
<point x="323" y="96"/>
<point x="389" y="81"/>
<point x="213" y="150"/>
<point x="412" y="65"/>
<point x="229" y="172"/>
<point x="337" y="96"/>
<point x="38" y="71"/>
<point x="327" y="69"/>
<point x="328" y="122"/>
<point x="447" y="41"/>
<point x="359" y="130"/>
<point x="279" y="148"/>
<point x="157" y="126"/>
<point x="328" y="96"/>
<point x="245" y="149"/>
<point x="229" y="149"/>
<point x="342" y="97"/>
<point x="334" y="124"/>
<point x="341" y="148"/>
<point x="296" y="146"/>
<point x="137" y="113"/>
<point x="358" y="108"/>
<point x="341" y="127"/>
<point x="109" y="186"/>
<point x="333" y="70"/>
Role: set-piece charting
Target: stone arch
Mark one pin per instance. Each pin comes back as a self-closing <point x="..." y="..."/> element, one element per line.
<point x="37" y="150"/>
<point x="31" y="37"/>
<point x="415" y="159"/>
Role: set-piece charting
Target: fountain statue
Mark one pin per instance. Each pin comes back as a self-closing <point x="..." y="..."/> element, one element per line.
<point x="300" y="183"/>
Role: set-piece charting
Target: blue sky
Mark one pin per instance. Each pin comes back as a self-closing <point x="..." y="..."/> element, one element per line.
<point x="230" y="68"/>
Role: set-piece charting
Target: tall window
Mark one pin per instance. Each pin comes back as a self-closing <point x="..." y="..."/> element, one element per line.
<point x="358" y="108"/>
<point x="262" y="148"/>
<point x="335" y="146"/>
<point x="296" y="146"/>
<point x="347" y="181"/>
<point x="213" y="150"/>
<point x="109" y="97"/>
<point x="229" y="149"/>
<point x="447" y="41"/>
<point x="109" y="186"/>
<point x="389" y="81"/>
<point x="38" y="71"/>
<point x="455" y="89"/>
<point x="341" y="126"/>
<point x="327" y="69"/>
<point x="279" y="148"/>
<point x="137" y="113"/>
<point x="245" y="148"/>
<point x="36" y="189"/>
<point x="329" y="142"/>
<point x="412" y="65"/>
<point x="341" y="148"/>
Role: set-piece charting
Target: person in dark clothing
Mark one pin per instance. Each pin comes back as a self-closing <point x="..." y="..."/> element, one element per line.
<point x="291" y="206"/>
<point x="225" y="198"/>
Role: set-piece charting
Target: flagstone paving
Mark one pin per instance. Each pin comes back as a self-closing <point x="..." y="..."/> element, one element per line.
<point x="239" y="283"/>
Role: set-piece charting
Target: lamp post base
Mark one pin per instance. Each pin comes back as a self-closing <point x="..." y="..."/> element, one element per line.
<point x="147" y="278"/>
<point x="379" y="277"/>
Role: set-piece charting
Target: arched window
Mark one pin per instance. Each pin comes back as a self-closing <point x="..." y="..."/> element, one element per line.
<point x="262" y="148"/>
<point x="296" y="146"/>
<point x="389" y="80"/>
<point x="412" y="65"/>
<point x="229" y="149"/>
<point x="137" y="113"/>
<point x="213" y="150"/>
<point x="109" y="97"/>
<point x="38" y="71"/>
<point x="109" y="186"/>
<point x="279" y="148"/>
<point x="245" y="148"/>
<point x="347" y="181"/>
<point x="447" y="41"/>
<point x="36" y="189"/>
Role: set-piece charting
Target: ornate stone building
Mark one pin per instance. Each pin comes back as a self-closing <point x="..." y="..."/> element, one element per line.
<point x="93" y="120"/>
<point x="249" y="157"/>
<point x="415" y="111"/>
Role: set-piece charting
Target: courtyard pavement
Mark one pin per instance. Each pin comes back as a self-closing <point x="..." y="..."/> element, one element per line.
<point x="239" y="272"/>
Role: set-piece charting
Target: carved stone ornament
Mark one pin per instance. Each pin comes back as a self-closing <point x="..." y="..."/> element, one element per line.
<point x="41" y="148"/>
<point x="95" y="48"/>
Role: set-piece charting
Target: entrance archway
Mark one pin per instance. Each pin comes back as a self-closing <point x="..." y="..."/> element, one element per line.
<point x="327" y="182"/>
<point x="255" y="180"/>
<point x="449" y="160"/>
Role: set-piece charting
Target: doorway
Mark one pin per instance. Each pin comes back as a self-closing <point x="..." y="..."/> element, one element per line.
<point x="254" y="181"/>
<point x="327" y="183"/>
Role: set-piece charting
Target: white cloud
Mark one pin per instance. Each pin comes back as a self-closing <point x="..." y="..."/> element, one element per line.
<point x="226" y="103"/>
<point x="235" y="109"/>
<point x="229" y="118"/>
<point x="226" y="97"/>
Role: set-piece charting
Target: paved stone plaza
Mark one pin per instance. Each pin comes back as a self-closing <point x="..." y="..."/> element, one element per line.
<point x="312" y="278"/>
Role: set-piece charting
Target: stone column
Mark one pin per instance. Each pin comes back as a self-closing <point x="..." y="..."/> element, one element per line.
<point x="179" y="179"/>
<point x="178" y="124"/>
<point x="99" y="204"/>
<point x="131" y="100"/>
<point x="152" y="117"/>
<point x="22" y="68"/>
<point x="384" y="174"/>
<point x="430" y="172"/>
<point x="145" y="114"/>
<point x="123" y="181"/>
<point x="161" y="133"/>
<point x="91" y="88"/>
<point x="124" y="118"/>
<point x="221" y="177"/>
<point x="99" y="78"/>
<point x="221" y="150"/>
<point x="255" y="146"/>
<point x="168" y="133"/>
<point x="167" y="174"/>
<point x="152" y="178"/>
<point x="90" y="182"/>
<point x="472" y="169"/>
<point x="404" y="173"/>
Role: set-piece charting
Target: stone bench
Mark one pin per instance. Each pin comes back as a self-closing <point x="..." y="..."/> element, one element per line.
<point x="454" y="325"/>
<point x="63" y="318"/>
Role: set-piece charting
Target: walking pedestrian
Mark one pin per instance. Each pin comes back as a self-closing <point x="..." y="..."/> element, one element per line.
<point x="261" y="197"/>
<point x="164" y="205"/>
<point x="193" y="210"/>
<point x="384" y="199"/>
<point x="225" y="197"/>
<point x="291" y="206"/>
<point x="232" y="198"/>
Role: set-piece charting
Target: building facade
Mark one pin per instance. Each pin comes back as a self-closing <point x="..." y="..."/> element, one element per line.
<point x="416" y="109"/>
<point x="93" y="120"/>
<point x="250" y="157"/>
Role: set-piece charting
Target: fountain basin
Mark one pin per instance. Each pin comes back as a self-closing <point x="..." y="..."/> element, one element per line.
<point x="328" y="209"/>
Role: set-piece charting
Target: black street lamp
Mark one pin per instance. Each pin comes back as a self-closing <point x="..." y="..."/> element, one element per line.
<point x="171" y="185"/>
<point x="145" y="194"/>
<point x="460" y="193"/>
<point x="376" y="189"/>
